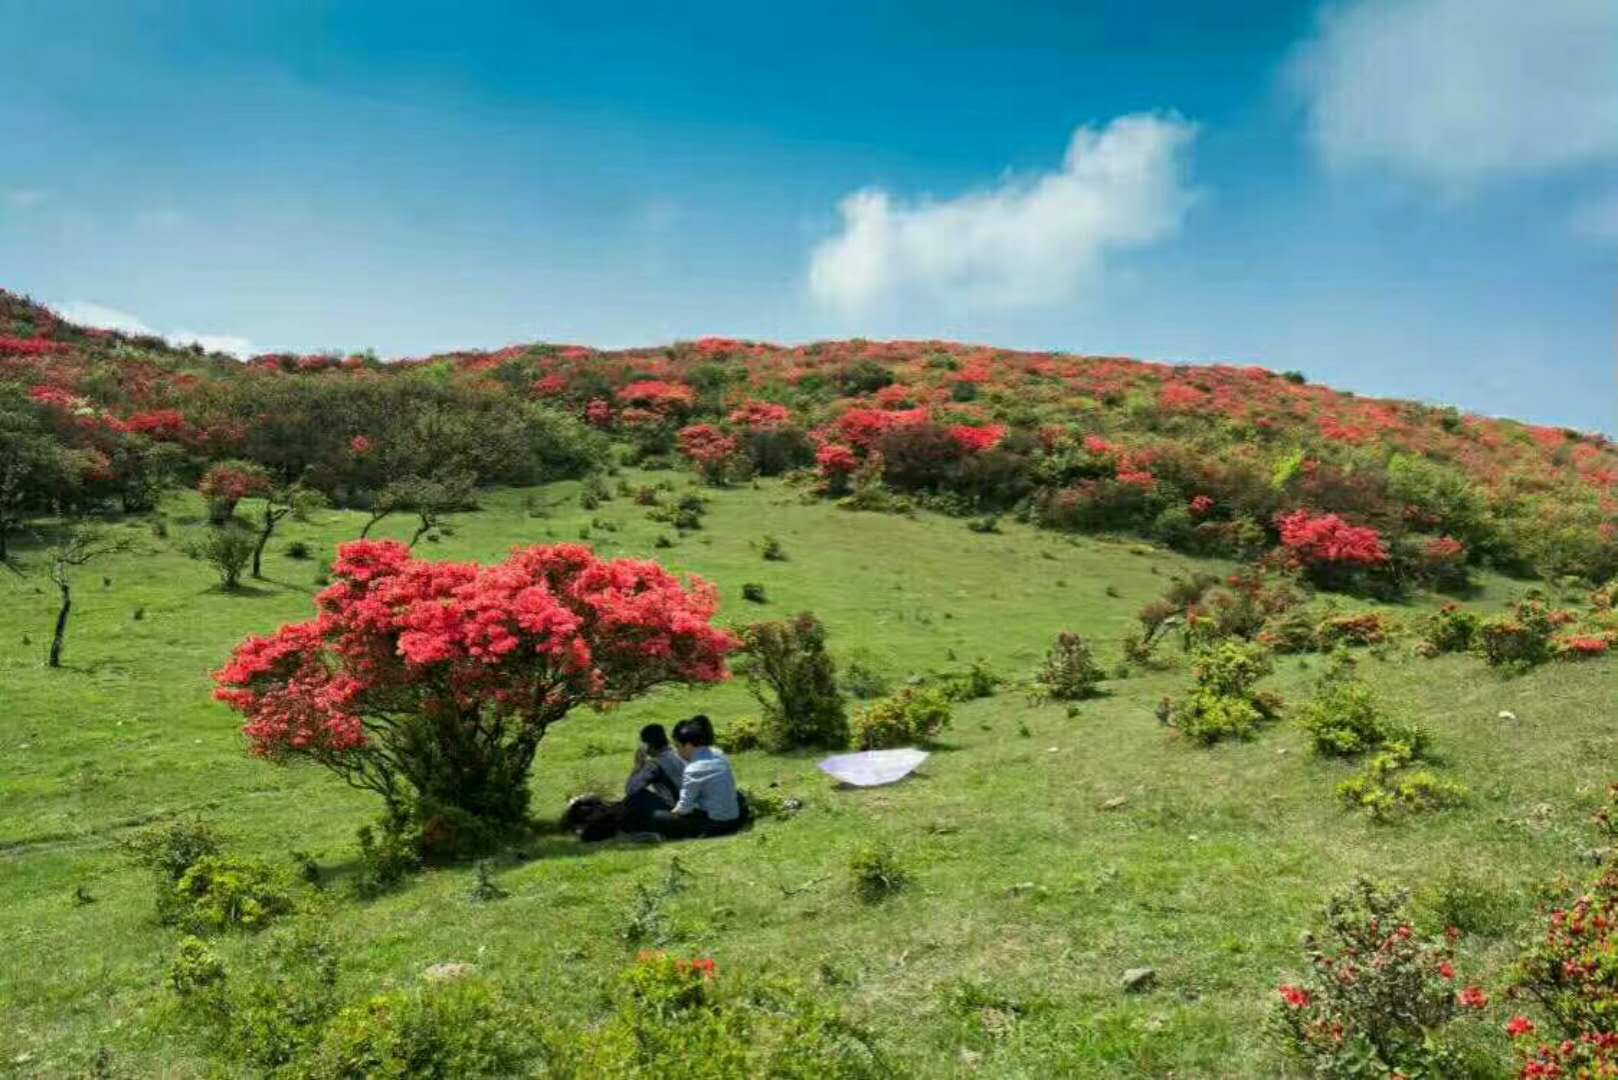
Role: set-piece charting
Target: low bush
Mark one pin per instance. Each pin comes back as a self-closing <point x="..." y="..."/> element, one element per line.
<point x="222" y="892"/>
<point x="297" y="549"/>
<point x="754" y="593"/>
<point x="745" y="733"/>
<point x="454" y="1028"/>
<point x="196" y="969"/>
<point x="1379" y="997"/>
<point x="1070" y="671"/>
<point x="772" y="550"/>
<point x="876" y="873"/>
<point x="1450" y="629"/>
<point x="228" y="548"/>
<point x="1365" y="628"/>
<point x="794" y="678"/>
<point x="1223" y="704"/>
<point x="911" y="717"/>
<point x="978" y="681"/>
<point x="860" y="678"/>
<point x="387" y="860"/>
<point x="1518" y="641"/>
<point x="1344" y="718"/>
<point x="1387" y="789"/>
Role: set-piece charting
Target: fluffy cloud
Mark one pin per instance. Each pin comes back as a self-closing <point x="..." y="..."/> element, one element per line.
<point x="102" y="317"/>
<point x="1028" y="241"/>
<point x="1456" y="92"/>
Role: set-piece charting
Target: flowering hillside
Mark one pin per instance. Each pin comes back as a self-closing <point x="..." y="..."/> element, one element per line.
<point x="1216" y="459"/>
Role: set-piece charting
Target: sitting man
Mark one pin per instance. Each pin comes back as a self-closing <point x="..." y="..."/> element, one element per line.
<point x="709" y="804"/>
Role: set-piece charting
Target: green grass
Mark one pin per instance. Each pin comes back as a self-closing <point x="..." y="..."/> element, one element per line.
<point x="1025" y="891"/>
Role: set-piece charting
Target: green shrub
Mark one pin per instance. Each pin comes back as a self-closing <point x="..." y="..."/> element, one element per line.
<point x="228" y="548"/>
<point x="455" y="1028"/>
<point x="298" y="549"/>
<point x="387" y="860"/>
<point x="221" y="892"/>
<point x="772" y="550"/>
<point x="861" y="680"/>
<point x="913" y="715"/>
<point x="875" y="873"/>
<point x="745" y="733"/>
<point x="794" y="678"/>
<point x="753" y="593"/>
<point x="1223" y="704"/>
<point x="978" y="681"/>
<point x="1344" y="718"/>
<point x="1451" y="629"/>
<point x="1386" y="789"/>
<point x="1517" y="641"/>
<point x="1070" y="672"/>
<point x="196" y="969"/>
<point x="168" y="851"/>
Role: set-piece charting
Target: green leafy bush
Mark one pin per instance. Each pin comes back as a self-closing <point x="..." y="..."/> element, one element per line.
<point x="860" y="678"/>
<point x="1344" y="718"/>
<point x="196" y="969"/>
<point x="875" y="873"/>
<point x="221" y="892"/>
<point x="228" y="548"/>
<point x="1224" y="704"/>
<point x="1070" y="671"/>
<point x="744" y="733"/>
<point x="978" y="681"/>
<point x="455" y="1028"/>
<point x="913" y="715"/>
<point x="386" y="861"/>
<point x="1387" y="789"/>
<point x="1517" y="641"/>
<point x="794" y="679"/>
<point x="1451" y="629"/>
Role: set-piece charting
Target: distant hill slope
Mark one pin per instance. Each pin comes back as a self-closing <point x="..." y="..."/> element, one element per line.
<point x="1209" y="459"/>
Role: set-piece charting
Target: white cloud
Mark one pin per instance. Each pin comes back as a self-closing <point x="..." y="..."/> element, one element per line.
<point x="225" y="343"/>
<point x="86" y="313"/>
<point x="102" y="317"/>
<point x="1456" y="92"/>
<point x="1024" y="243"/>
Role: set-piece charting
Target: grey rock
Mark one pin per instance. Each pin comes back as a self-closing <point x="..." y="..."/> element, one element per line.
<point x="1139" y="980"/>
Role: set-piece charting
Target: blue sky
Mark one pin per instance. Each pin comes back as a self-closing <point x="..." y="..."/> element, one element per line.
<point x="1408" y="197"/>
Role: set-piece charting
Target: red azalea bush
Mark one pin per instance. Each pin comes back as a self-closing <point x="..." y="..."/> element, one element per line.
<point x="1378" y="995"/>
<point x="760" y="415"/>
<point x="1329" y="550"/>
<point x="835" y="463"/>
<point x="712" y="451"/>
<point x="433" y="683"/>
<point x="663" y="398"/>
<point x="228" y="483"/>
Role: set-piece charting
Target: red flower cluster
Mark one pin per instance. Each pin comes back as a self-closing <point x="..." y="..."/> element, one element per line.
<point x="835" y="460"/>
<point x="227" y="483"/>
<point x="760" y="415"/>
<point x="11" y="346"/>
<point x="526" y="640"/>
<point x="975" y="440"/>
<point x="663" y="398"/>
<point x="598" y="413"/>
<point x="710" y="449"/>
<point x="1327" y="539"/>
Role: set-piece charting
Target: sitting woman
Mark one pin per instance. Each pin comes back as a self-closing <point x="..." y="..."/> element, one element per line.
<point x="655" y="782"/>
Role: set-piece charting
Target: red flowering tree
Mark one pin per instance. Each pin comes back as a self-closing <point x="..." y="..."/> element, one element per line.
<point x="712" y="451"/>
<point x="1328" y="549"/>
<point x="835" y="463"/>
<point x="227" y="484"/>
<point x="432" y="684"/>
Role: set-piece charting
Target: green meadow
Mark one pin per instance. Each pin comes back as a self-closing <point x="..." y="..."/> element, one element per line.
<point x="1050" y="850"/>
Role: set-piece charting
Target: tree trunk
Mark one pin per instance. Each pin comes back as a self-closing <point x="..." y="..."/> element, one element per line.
<point x="61" y="626"/>
<point x="258" y="549"/>
<point x="367" y="530"/>
<point x="426" y="524"/>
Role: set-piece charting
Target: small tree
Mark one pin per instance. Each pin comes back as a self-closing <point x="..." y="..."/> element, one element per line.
<point x="431" y="499"/>
<point x="228" y="548"/>
<point x="1070" y="671"/>
<point x="294" y="499"/>
<point x="432" y="684"/>
<point x="794" y="678"/>
<point x="84" y="544"/>
<point x="227" y="484"/>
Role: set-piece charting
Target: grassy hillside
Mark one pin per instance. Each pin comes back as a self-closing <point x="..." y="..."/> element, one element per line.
<point x="1034" y="889"/>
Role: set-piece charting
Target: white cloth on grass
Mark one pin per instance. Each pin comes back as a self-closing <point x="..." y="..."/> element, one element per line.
<point x="871" y="768"/>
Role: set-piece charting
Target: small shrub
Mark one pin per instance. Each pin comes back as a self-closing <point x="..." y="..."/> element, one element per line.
<point x="794" y="678"/>
<point x="979" y="681"/>
<point x="297" y="549"/>
<point x="647" y="921"/>
<point x="913" y="715"/>
<point x="1366" y="628"/>
<point x="1379" y="996"/>
<point x="454" y="1028"/>
<point x="170" y="850"/>
<point x="228" y="548"/>
<point x="386" y="861"/>
<point x="1451" y="629"/>
<point x="1344" y="718"/>
<point x="989" y="523"/>
<point x="861" y="680"/>
<point x="277" y="1011"/>
<point x="772" y="550"/>
<point x="1471" y="904"/>
<point x="1517" y="641"/>
<point x="485" y="889"/>
<point x="662" y="541"/>
<point x="754" y="593"/>
<point x="1386" y="789"/>
<point x="195" y="969"/>
<point x="746" y="733"/>
<point x="221" y="892"/>
<point x="307" y="868"/>
<point x="1223" y="704"/>
<point x="876" y="873"/>
<point x="1070" y="672"/>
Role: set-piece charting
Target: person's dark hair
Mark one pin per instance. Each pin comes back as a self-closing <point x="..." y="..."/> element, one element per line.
<point x="654" y="737"/>
<point x="696" y="731"/>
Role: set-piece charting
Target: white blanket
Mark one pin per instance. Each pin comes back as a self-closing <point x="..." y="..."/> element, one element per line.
<point x="873" y="767"/>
